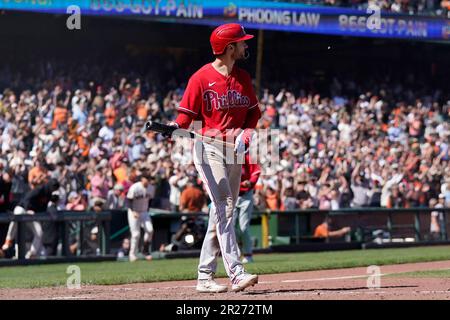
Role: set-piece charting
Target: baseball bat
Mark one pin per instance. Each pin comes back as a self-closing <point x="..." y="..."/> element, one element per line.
<point x="165" y="129"/>
<point x="169" y="130"/>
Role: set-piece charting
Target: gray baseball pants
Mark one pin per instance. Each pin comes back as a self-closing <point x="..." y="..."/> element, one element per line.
<point x="221" y="173"/>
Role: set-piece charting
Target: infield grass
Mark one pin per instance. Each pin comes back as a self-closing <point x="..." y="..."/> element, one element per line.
<point x="445" y="273"/>
<point x="108" y="273"/>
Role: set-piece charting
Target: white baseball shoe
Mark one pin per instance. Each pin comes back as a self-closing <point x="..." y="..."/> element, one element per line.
<point x="133" y="258"/>
<point x="210" y="286"/>
<point x="244" y="280"/>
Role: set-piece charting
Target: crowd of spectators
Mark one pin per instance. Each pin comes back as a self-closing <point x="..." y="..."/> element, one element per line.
<point x="380" y="144"/>
<point x="337" y="153"/>
<point x="412" y="7"/>
<point x="386" y="145"/>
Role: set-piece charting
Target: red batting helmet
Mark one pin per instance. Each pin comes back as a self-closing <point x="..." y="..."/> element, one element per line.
<point x="225" y="34"/>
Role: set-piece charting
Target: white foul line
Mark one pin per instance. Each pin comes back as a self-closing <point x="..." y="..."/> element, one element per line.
<point x="338" y="278"/>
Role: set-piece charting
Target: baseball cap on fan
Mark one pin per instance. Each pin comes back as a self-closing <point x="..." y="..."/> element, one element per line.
<point x="225" y="34"/>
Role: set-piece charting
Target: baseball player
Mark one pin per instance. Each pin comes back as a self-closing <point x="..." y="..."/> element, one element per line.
<point x="244" y="206"/>
<point x="34" y="201"/>
<point x="137" y="202"/>
<point x="220" y="96"/>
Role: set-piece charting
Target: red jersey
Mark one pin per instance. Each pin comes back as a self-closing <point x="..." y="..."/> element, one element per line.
<point x="250" y="172"/>
<point x="220" y="102"/>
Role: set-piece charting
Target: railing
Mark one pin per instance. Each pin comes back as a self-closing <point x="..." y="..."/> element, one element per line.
<point x="398" y="223"/>
<point x="405" y="224"/>
<point x="62" y="219"/>
<point x="297" y="226"/>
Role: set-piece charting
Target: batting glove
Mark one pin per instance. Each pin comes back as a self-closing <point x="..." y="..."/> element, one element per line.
<point x="172" y="124"/>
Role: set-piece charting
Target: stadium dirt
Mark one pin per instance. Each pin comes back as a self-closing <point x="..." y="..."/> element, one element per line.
<point x="325" y="284"/>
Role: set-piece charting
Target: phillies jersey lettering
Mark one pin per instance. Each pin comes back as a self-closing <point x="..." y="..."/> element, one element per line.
<point x="219" y="102"/>
<point x="231" y="99"/>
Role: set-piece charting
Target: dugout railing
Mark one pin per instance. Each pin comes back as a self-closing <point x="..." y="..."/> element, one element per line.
<point x="69" y="228"/>
<point x="367" y="225"/>
<point x="269" y="228"/>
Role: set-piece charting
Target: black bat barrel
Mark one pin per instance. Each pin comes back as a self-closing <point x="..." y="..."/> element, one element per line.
<point x="167" y="130"/>
<point x="159" y="127"/>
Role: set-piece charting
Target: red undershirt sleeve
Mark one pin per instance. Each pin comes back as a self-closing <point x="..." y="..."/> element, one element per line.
<point x="250" y="123"/>
<point x="183" y="120"/>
